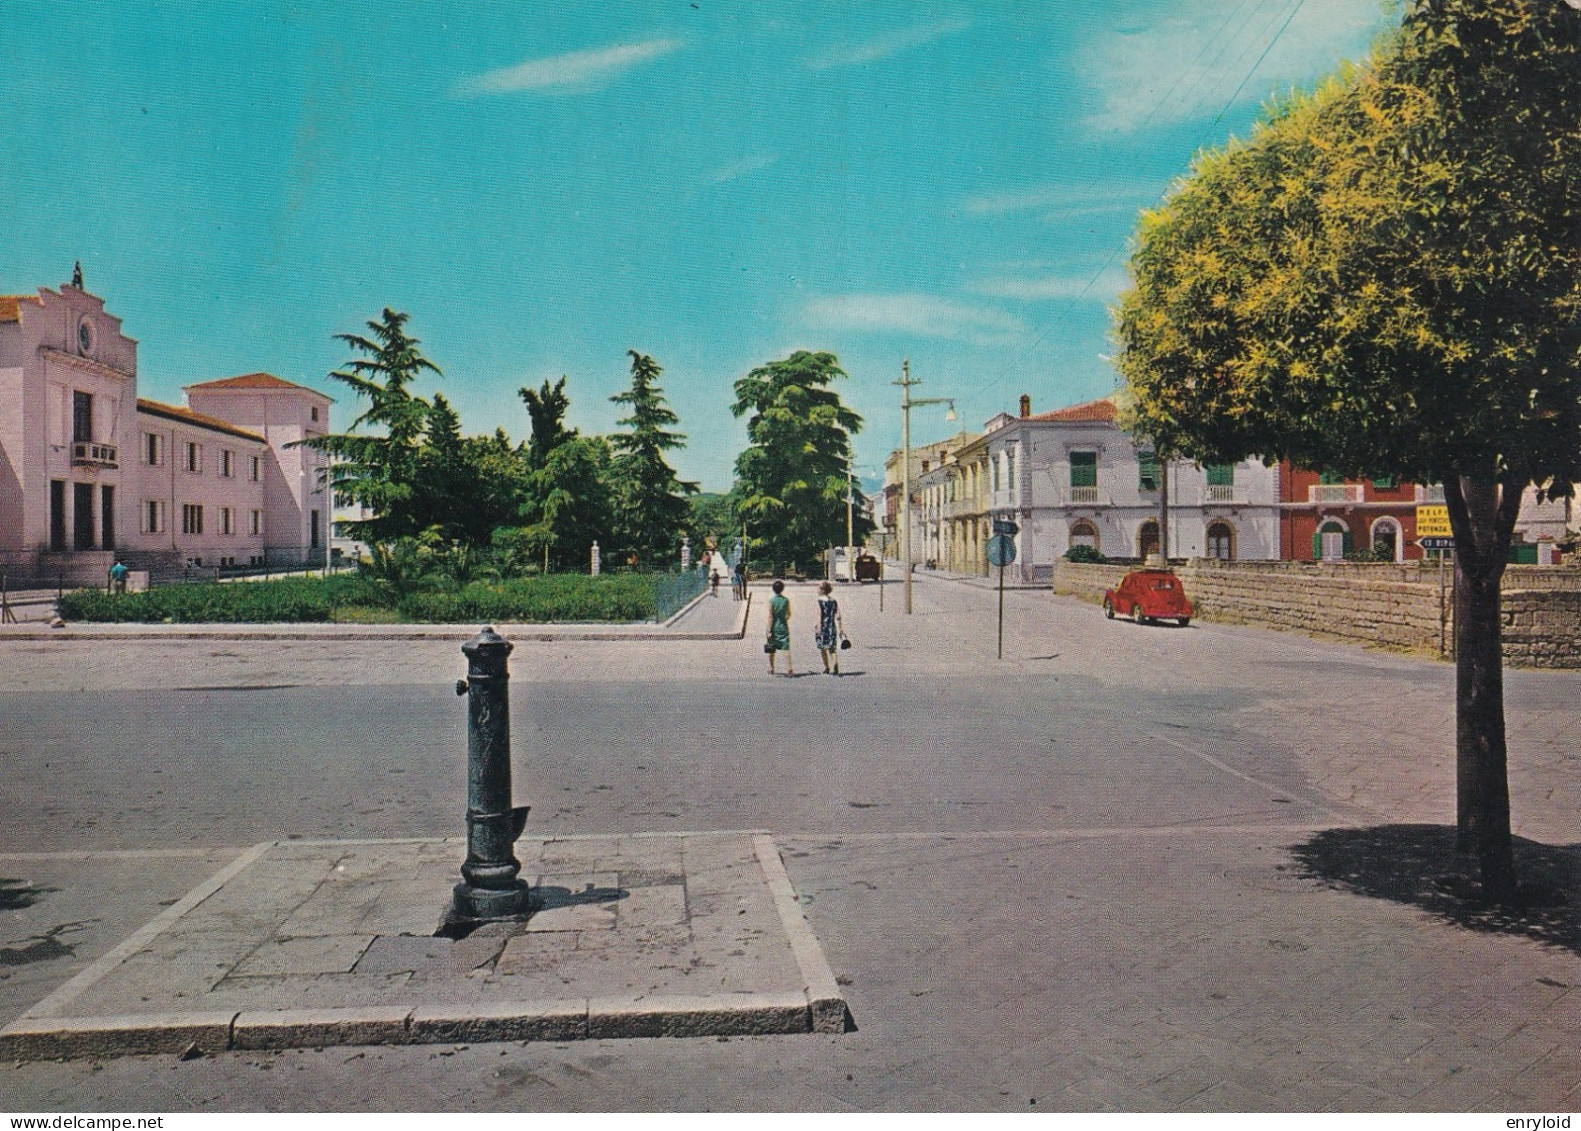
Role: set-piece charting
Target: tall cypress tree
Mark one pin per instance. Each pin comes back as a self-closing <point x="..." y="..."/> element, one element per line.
<point x="377" y="470"/>
<point x="651" y="507"/>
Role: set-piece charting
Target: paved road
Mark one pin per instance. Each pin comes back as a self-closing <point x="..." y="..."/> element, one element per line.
<point x="1091" y="875"/>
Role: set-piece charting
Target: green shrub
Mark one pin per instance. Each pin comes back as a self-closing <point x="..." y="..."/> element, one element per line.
<point x="361" y="599"/>
<point x="1086" y="555"/>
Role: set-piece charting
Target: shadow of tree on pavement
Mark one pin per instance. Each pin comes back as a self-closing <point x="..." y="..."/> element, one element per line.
<point x="1418" y="865"/>
<point x="17" y="894"/>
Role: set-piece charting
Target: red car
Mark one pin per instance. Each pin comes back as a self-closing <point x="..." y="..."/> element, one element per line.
<point x="1149" y="594"/>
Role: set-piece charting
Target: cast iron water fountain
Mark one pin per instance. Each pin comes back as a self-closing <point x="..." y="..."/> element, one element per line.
<point x="491" y="889"/>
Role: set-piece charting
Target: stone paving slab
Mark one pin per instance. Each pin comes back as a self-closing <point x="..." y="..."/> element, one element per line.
<point x="300" y="944"/>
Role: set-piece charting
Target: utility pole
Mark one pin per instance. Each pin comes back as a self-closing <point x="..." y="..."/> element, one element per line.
<point x="1163" y="509"/>
<point x="906" y="382"/>
<point x="850" y="525"/>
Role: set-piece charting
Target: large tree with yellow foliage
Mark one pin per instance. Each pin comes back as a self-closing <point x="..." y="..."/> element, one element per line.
<point x="1385" y="279"/>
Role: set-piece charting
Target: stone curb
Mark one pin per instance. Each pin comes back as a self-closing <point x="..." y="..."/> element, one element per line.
<point x="530" y="632"/>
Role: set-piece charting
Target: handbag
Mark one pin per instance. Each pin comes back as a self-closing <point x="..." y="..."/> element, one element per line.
<point x="768" y="647"/>
<point x="845" y="642"/>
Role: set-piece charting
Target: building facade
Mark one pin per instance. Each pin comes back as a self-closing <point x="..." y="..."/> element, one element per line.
<point x="90" y="472"/>
<point x="1072" y="477"/>
<point x="1327" y="518"/>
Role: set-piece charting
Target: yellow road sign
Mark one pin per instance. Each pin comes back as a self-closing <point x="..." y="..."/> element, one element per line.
<point x="1433" y="522"/>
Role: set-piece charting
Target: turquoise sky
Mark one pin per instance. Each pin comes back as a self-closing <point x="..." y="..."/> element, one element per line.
<point x="544" y="186"/>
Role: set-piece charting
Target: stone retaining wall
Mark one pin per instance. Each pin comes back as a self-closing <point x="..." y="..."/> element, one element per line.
<point x="1395" y="606"/>
<point x="1542" y="629"/>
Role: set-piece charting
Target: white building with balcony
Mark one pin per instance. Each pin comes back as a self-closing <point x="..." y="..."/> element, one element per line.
<point x="1071" y="477"/>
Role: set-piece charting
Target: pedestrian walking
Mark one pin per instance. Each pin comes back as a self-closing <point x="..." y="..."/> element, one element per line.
<point x="717" y="569"/>
<point x="738" y="580"/>
<point x="779" y="628"/>
<point x="830" y="635"/>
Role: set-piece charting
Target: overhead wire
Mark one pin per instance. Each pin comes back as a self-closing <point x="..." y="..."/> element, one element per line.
<point x="1108" y="262"/>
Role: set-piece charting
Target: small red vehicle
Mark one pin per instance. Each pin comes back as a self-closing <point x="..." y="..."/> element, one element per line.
<point x="1149" y="595"/>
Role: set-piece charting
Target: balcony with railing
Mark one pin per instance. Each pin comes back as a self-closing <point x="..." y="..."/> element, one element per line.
<point x="87" y="453"/>
<point x="1430" y="495"/>
<point x="1335" y="493"/>
<point x="1080" y="495"/>
<point x="1219" y="493"/>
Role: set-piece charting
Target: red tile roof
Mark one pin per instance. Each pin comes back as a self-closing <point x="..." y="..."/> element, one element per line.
<point x="186" y="415"/>
<point x="11" y="306"/>
<point x="254" y="381"/>
<point x="1103" y="411"/>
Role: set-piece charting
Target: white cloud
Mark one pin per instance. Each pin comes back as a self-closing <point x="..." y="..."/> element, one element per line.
<point x="1102" y="286"/>
<point x="574" y="71"/>
<point x="1059" y="199"/>
<point x="885" y="46"/>
<point x="743" y="168"/>
<point x="1148" y="71"/>
<point x="927" y="316"/>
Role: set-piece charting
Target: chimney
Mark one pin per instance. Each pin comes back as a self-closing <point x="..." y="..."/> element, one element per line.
<point x="1026" y="406"/>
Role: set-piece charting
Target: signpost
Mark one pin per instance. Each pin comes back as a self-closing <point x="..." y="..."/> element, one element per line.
<point x="1444" y="543"/>
<point x="1433" y="522"/>
<point x="1001" y="552"/>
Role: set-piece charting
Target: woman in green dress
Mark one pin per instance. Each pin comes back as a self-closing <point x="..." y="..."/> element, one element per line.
<point x="779" y="628"/>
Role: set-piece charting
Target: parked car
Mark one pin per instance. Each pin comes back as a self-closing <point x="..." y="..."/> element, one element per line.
<point x="868" y="568"/>
<point x="1147" y="595"/>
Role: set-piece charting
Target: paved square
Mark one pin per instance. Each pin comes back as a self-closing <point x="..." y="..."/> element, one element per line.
<point x="332" y="942"/>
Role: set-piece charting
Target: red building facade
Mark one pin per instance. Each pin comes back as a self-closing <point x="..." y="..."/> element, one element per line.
<point x="1325" y="518"/>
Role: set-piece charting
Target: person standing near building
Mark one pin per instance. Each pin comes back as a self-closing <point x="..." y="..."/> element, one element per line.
<point x="118" y="573"/>
<point x="831" y="629"/>
<point x="779" y="628"/>
<point x="738" y="579"/>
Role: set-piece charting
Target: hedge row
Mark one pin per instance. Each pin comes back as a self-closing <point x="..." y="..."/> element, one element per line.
<point x="610" y="598"/>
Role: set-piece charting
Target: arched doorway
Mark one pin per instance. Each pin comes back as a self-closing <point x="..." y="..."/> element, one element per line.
<point x="1084" y="533"/>
<point x="1147" y="541"/>
<point x="1221" y="542"/>
<point x="1386" y="539"/>
<point x="1331" y="541"/>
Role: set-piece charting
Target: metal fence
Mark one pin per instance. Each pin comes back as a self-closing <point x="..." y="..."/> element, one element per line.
<point x="672" y="591"/>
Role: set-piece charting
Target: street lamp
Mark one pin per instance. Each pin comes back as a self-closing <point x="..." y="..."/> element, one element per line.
<point x="850" y="520"/>
<point x="906" y="382"/>
<point x="1012" y="488"/>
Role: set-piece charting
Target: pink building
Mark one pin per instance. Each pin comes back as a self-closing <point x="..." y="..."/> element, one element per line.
<point x="90" y="472"/>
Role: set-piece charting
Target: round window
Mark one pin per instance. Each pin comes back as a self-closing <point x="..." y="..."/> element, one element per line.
<point x="85" y="336"/>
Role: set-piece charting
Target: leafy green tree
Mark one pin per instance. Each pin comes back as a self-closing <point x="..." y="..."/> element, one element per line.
<point x="567" y="498"/>
<point x="791" y="478"/>
<point x="713" y="518"/>
<point x="377" y="470"/>
<point x="1384" y="280"/>
<point x="650" y="501"/>
<point x="546" y="409"/>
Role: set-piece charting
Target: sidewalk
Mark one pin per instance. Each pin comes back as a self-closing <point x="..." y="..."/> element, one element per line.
<point x="706" y="617"/>
<point x="299" y="944"/>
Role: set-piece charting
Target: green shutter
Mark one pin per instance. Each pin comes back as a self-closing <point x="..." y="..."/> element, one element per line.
<point x="1084" y="469"/>
<point x="1221" y="474"/>
<point x="1384" y="483"/>
<point x="1330" y="479"/>
<point x="1147" y="470"/>
<point x="1317" y="545"/>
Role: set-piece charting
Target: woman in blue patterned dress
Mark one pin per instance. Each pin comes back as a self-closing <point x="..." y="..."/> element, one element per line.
<point x="831" y="629"/>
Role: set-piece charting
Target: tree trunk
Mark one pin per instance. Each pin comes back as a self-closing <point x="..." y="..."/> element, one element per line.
<point x="1482" y="515"/>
